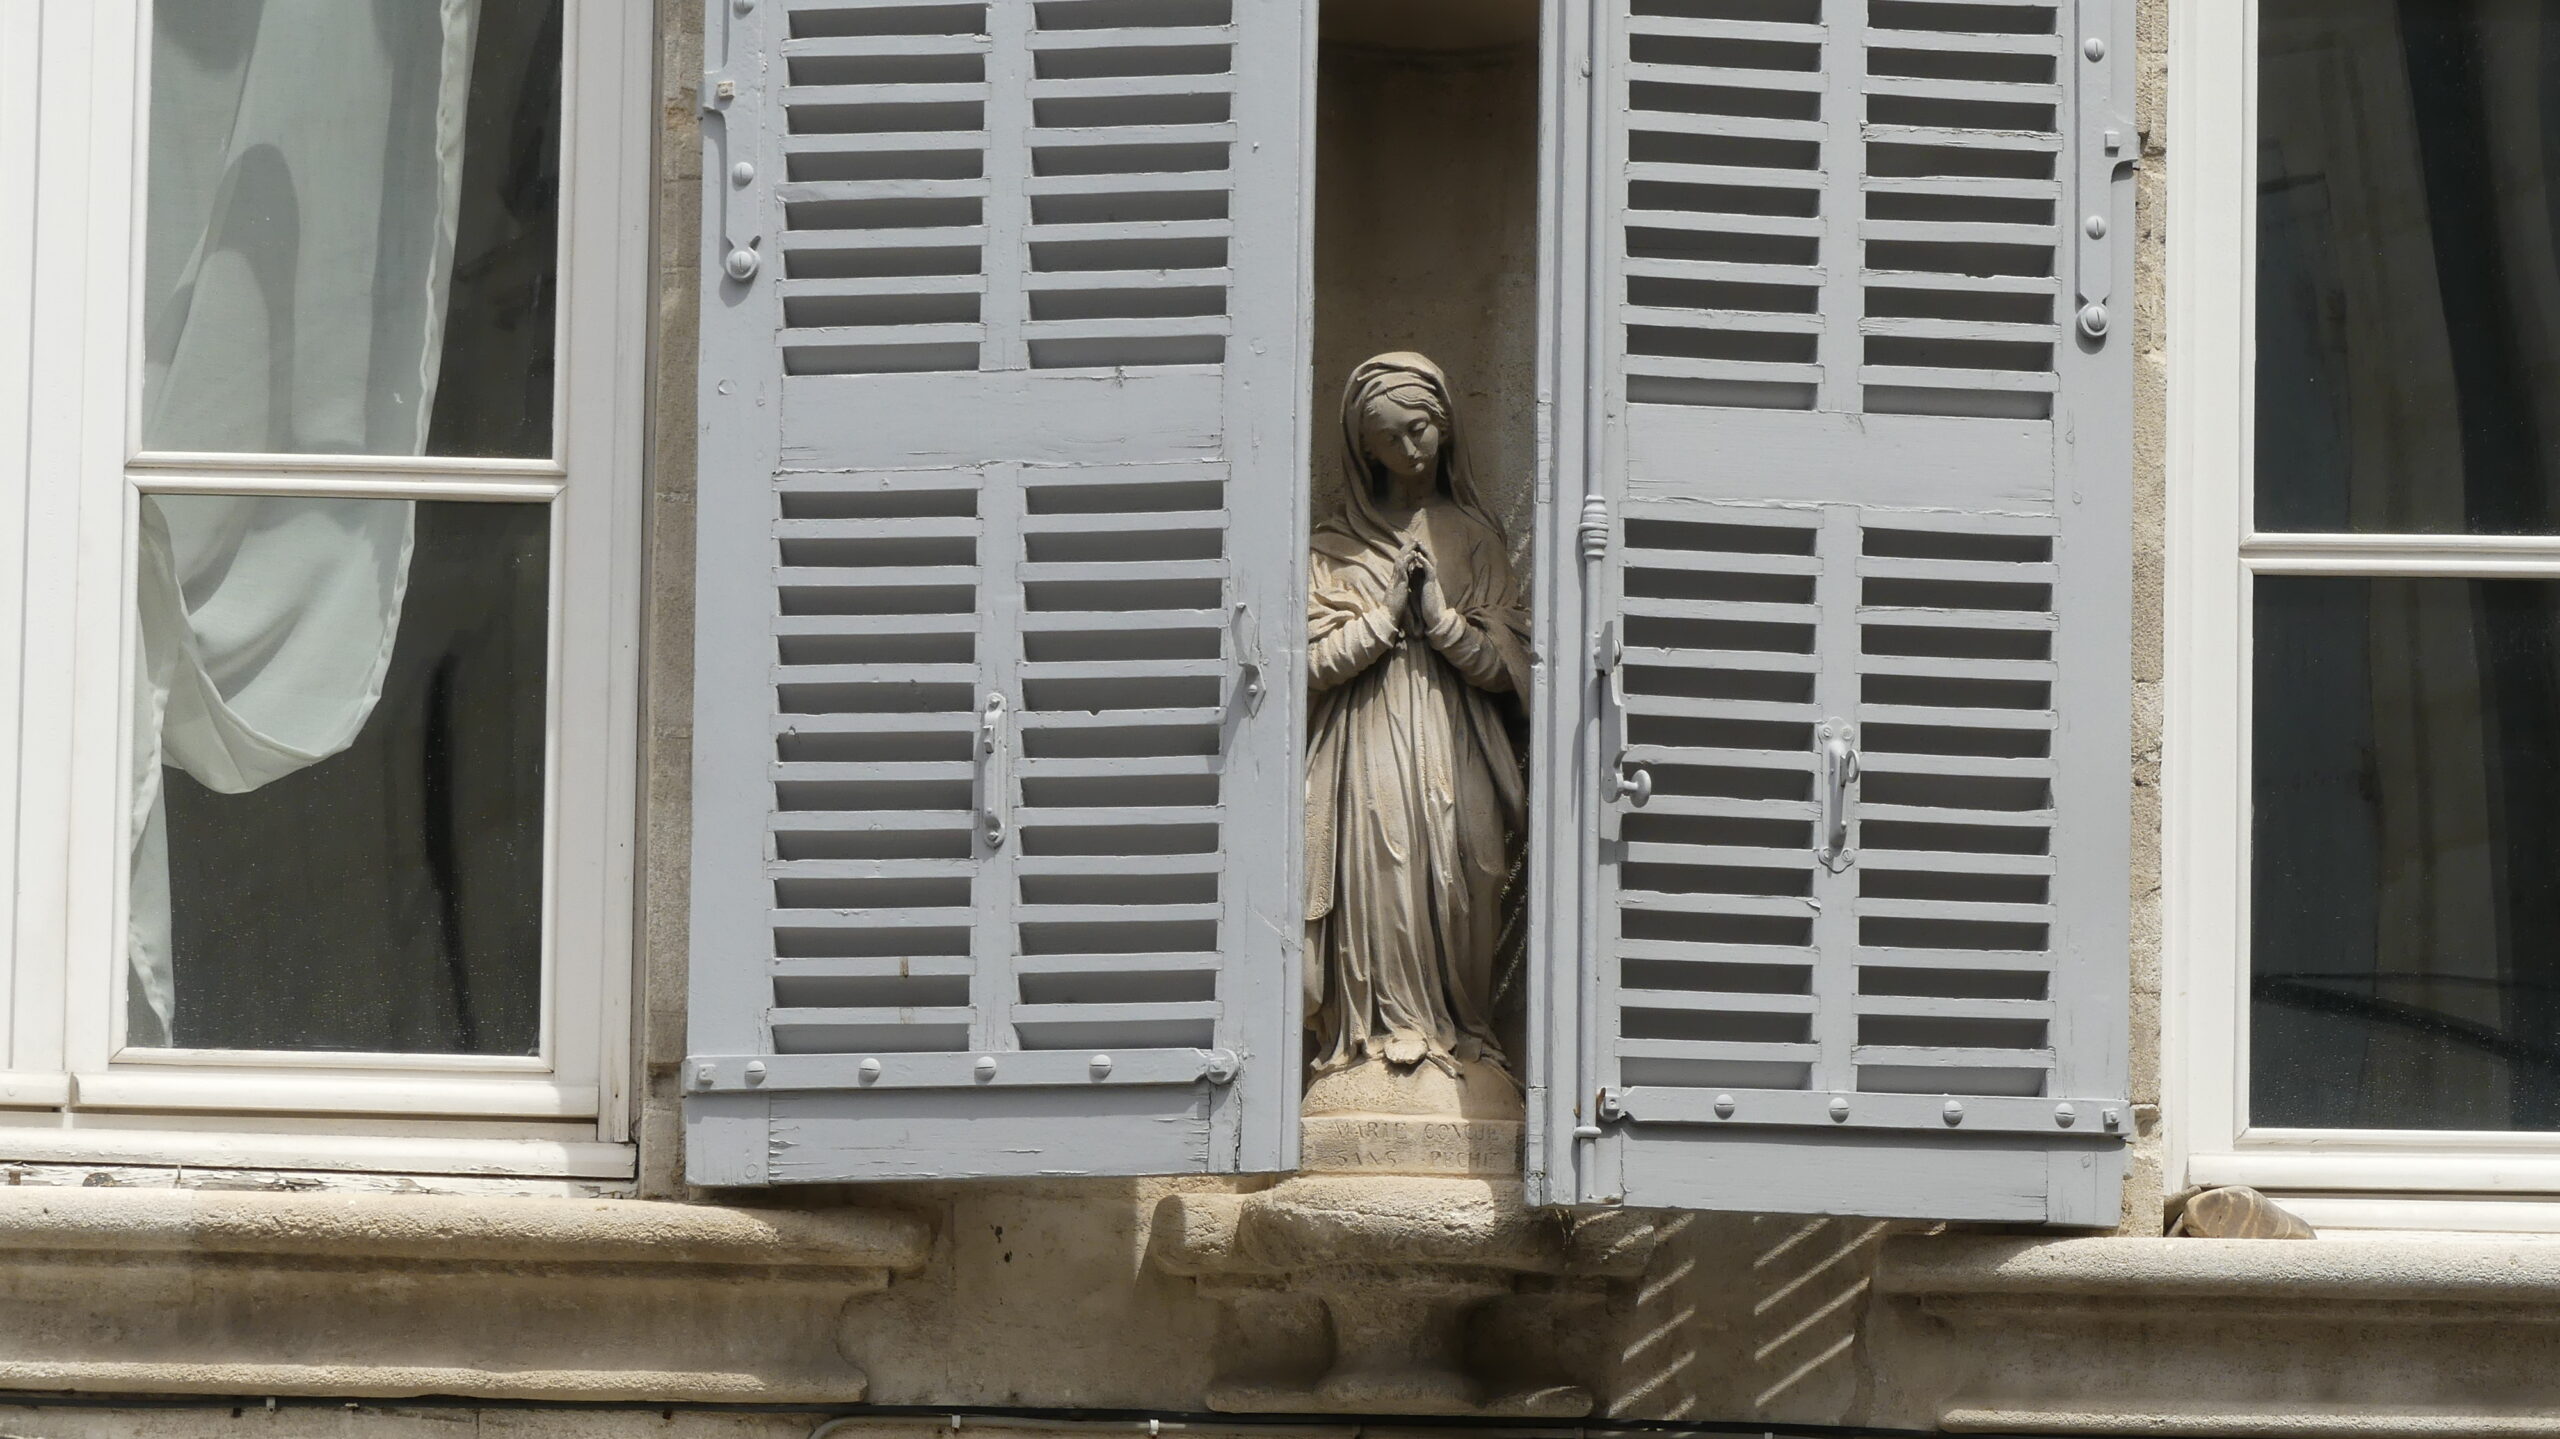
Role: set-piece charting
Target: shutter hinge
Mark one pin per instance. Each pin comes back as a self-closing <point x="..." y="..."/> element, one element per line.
<point x="2108" y="144"/>
<point x="741" y="253"/>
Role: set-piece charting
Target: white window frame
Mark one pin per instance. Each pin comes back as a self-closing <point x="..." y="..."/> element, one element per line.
<point x="2387" y="1179"/>
<point x="69" y="1090"/>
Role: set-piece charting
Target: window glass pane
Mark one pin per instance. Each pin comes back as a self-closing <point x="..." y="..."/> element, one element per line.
<point x="352" y="227"/>
<point x="339" y="742"/>
<point x="2408" y="275"/>
<point x="2405" y="908"/>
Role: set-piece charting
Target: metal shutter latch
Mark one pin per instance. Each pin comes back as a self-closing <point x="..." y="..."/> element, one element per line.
<point x="1836" y="751"/>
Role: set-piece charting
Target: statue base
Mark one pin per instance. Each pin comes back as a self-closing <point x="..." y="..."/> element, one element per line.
<point x="1403" y="1267"/>
<point x="1378" y="1118"/>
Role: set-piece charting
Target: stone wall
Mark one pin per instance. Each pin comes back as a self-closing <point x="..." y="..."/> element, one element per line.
<point x="1044" y="1295"/>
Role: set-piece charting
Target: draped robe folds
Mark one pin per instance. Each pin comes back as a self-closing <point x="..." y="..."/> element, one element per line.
<point x="1415" y="798"/>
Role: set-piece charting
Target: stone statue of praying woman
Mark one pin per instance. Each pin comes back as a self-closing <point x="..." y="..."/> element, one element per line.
<point x="1418" y="652"/>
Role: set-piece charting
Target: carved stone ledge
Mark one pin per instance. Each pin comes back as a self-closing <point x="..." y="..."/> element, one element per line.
<point x="1365" y="1289"/>
<point x="2332" y="1337"/>
<point x="393" y="1296"/>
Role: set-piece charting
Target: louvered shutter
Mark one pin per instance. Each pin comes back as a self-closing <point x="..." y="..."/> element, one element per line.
<point x="1000" y="557"/>
<point x="1843" y="672"/>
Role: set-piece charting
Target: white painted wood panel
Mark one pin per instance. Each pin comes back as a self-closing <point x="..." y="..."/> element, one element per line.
<point x="1843" y="927"/>
<point x="1003" y="526"/>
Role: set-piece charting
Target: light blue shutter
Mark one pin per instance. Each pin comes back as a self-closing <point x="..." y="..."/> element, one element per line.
<point x="1840" y="348"/>
<point x="1002" y="527"/>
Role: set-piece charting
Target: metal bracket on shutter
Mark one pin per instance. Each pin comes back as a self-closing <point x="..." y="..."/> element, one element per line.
<point x="1248" y="638"/>
<point x="994" y="780"/>
<point x="1042" y="1069"/>
<point x="1836" y="754"/>
<point x="2098" y="1120"/>
<point x="738" y="110"/>
<point x="1616" y="782"/>
<point x="2108" y="142"/>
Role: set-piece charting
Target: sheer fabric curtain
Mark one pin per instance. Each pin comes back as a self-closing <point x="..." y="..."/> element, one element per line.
<point x="305" y="181"/>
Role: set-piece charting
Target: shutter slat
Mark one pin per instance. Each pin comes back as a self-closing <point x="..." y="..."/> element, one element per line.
<point x="1771" y="661"/>
<point x="1968" y="284"/>
<point x="1957" y="232"/>
<point x="1923" y="1007"/>
<point x="1958" y="718"/>
<point x="1715" y="1050"/>
<point x="869" y="47"/>
<point x="1970" y="43"/>
<point x="1705" y="173"/>
<point x="1802" y="226"/>
<point x="1121" y="87"/>
<point x="1951" y="137"/>
<point x="1681" y="952"/>
<point x="1722" y="78"/>
<point x="1740" y="127"/>
<point x="1886" y="762"/>
<point x="1717" y="28"/>
<point x="1989" y="91"/>
<point x="1922" y="328"/>
<point x="1140" y="280"/>
<point x="1956" y="909"/>
<point x="1739" y="272"/>
<point x="812" y="192"/>
<point x="1074" y="137"/>
<point x="1771" y="905"/>
<point x="1153" y="37"/>
<point x="1775" y="320"/>
<point x="1932" y="1057"/>
<point x="1708" y="1002"/>
<point x="1706" y="854"/>
<point x="1952" y="861"/>
<point x="1993" y="961"/>
<point x="1872" y="812"/>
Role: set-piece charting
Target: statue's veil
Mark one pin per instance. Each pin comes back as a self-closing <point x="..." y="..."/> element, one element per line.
<point x="1378" y="375"/>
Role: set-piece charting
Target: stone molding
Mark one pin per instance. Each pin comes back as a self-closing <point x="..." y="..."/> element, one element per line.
<point x="386" y="1296"/>
<point x="2388" y="1335"/>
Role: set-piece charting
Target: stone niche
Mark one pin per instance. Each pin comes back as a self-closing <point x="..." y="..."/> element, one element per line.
<point x="1401" y="1272"/>
<point x="1427" y="222"/>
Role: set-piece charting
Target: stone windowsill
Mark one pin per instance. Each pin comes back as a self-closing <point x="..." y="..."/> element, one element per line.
<point x="2362" y="1335"/>
<point x="2400" y="1269"/>
<point x="408" y="1229"/>
<point x="108" y="1291"/>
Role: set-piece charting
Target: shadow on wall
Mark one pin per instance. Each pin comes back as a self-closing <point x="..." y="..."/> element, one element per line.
<point x="1747" y="1316"/>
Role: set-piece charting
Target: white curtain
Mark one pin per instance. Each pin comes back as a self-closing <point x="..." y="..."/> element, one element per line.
<point x="305" y="184"/>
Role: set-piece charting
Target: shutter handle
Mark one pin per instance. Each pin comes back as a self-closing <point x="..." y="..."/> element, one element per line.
<point x="1635" y="788"/>
<point x="992" y="778"/>
<point x="1836" y="746"/>
<point x="1248" y="638"/>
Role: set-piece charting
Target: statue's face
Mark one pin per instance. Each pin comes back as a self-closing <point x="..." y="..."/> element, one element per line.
<point x="1402" y="439"/>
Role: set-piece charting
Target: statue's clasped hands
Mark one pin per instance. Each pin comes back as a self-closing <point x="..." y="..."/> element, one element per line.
<point x="1417" y="599"/>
